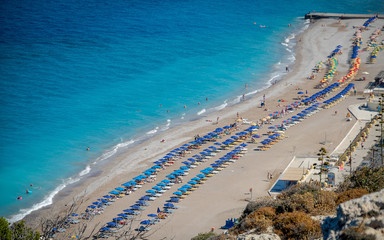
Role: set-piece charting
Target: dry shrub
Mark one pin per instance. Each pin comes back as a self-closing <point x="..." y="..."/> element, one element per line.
<point x="326" y="204"/>
<point x="268" y="212"/>
<point x="259" y="203"/>
<point x="372" y="179"/>
<point x="302" y="202"/>
<point x="296" y="225"/>
<point x="301" y="188"/>
<point x="350" y="194"/>
<point x="258" y="221"/>
<point x="222" y="237"/>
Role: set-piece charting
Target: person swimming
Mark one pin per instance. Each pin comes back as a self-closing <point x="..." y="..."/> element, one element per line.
<point x="19" y="198"/>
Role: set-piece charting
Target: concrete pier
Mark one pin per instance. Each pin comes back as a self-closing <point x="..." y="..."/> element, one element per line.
<point x="339" y="15"/>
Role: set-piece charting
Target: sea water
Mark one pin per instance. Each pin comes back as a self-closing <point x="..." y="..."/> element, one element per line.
<point x="107" y="74"/>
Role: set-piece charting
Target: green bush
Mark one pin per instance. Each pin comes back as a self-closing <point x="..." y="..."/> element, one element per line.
<point x="16" y="231"/>
<point x="296" y="225"/>
<point x="372" y="179"/>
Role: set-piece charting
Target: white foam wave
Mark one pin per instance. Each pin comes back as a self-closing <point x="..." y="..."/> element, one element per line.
<point x="201" y="112"/>
<point x="111" y="152"/>
<point x="289" y="50"/>
<point x="153" y="131"/>
<point x="222" y="106"/>
<point x="166" y="127"/>
<point x="47" y="201"/>
<point x="285" y="44"/>
<point x="85" y="171"/>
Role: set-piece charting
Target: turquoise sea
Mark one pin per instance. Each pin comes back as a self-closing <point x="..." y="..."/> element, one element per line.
<point x="104" y="74"/>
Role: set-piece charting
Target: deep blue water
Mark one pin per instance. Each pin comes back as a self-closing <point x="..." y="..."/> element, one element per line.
<point x="75" y="74"/>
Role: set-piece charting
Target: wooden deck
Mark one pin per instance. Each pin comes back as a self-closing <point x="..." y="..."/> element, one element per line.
<point x="340" y="15"/>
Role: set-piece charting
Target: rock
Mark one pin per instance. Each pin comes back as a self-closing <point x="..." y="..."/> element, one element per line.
<point x="262" y="236"/>
<point x="365" y="213"/>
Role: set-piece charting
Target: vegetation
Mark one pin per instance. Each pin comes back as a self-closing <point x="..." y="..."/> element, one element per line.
<point x="16" y="231"/>
<point x="289" y="215"/>
<point x="371" y="179"/>
<point x="296" y="225"/>
<point x="204" y="236"/>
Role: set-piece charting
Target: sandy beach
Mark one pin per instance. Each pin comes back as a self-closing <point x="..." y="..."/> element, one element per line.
<point x="226" y="194"/>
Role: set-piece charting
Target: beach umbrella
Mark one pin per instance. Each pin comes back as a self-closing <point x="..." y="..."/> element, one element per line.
<point x="243" y="145"/>
<point x="152" y="215"/>
<point x="178" y="193"/>
<point x="150" y="192"/>
<point x="186" y="163"/>
<point x="200" y="175"/>
<point x="120" y="189"/>
<point x="103" y="229"/>
<point x="145" y="198"/>
<point x="256" y="136"/>
<point x="128" y="210"/>
<point x="204" y="171"/>
<point x="141" y="202"/>
<point x="209" y="169"/>
<point x="114" y="192"/>
<point x="91" y="206"/>
<point x="186" y="186"/>
<point x="126" y="184"/>
<point x="170" y="176"/>
<point x="122" y="215"/>
<point x="195" y="179"/>
<point x="182" y="190"/>
<point x="145" y="222"/>
<point x="165" y="181"/>
<point x="169" y="205"/>
<point x="192" y="182"/>
<point x="218" y="144"/>
<point x="107" y="196"/>
<point x="161" y="184"/>
<point x="118" y="219"/>
<point x="184" y="168"/>
<point x="271" y="127"/>
<point x="157" y="188"/>
<point x="136" y="207"/>
<point x="111" y="224"/>
<point x="174" y="200"/>
<point x="156" y="167"/>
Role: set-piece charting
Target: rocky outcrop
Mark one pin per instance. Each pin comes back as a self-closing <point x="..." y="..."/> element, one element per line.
<point x="362" y="216"/>
<point x="262" y="236"/>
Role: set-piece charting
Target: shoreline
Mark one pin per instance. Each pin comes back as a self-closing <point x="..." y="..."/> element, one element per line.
<point x="94" y="168"/>
<point x="184" y="133"/>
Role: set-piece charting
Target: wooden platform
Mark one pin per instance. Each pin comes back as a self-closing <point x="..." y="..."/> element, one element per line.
<point x="339" y="15"/>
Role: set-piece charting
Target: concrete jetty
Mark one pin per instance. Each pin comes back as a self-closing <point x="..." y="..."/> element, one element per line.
<point x="339" y="15"/>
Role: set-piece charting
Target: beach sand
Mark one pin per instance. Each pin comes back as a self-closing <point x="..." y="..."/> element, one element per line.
<point x="226" y="194"/>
